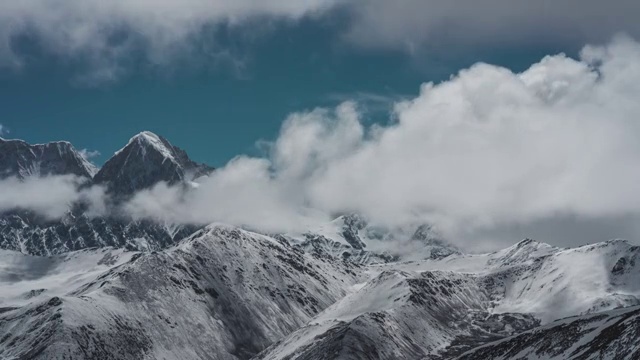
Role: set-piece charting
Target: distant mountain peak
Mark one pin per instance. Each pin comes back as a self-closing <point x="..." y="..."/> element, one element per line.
<point x="21" y="159"/>
<point x="146" y="160"/>
<point x="147" y="139"/>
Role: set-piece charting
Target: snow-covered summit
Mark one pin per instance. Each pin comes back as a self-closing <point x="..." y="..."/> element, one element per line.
<point x="146" y="139"/>
<point x="146" y="160"/>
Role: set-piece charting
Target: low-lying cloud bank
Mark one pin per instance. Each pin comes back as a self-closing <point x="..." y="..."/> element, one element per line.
<point x="51" y="196"/>
<point x="486" y="148"/>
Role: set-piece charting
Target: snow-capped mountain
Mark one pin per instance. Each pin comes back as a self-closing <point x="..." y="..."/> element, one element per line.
<point x="20" y="159"/>
<point x="87" y="287"/>
<point x="443" y="307"/>
<point x="223" y="293"/>
<point x="234" y="294"/>
<point x="146" y="160"/>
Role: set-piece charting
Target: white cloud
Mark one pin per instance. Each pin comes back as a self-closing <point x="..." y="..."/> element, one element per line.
<point x="485" y="148"/>
<point x="51" y="197"/>
<point x="243" y="193"/>
<point x="436" y="24"/>
<point x="89" y="154"/>
<point x="3" y="130"/>
<point x="103" y="39"/>
<point x="104" y="35"/>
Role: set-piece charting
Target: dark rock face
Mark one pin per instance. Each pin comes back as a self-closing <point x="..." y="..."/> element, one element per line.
<point x="353" y="223"/>
<point x="145" y="161"/>
<point x="20" y="159"/>
<point x="439" y="247"/>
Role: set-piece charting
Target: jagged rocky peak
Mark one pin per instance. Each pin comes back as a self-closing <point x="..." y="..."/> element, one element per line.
<point x="352" y="224"/>
<point x="21" y="159"/>
<point x="438" y="247"/>
<point x="146" y="160"/>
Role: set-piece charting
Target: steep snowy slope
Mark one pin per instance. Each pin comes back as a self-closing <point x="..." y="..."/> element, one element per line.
<point x="403" y="315"/>
<point x="224" y="293"/>
<point x="25" y="278"/>
<point x="439" y="308"/>
<point x="608" y="335"/>
<point x="552" y="283"/>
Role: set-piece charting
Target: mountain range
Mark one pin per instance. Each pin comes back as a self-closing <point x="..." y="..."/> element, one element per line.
<point x="109" y="287"/>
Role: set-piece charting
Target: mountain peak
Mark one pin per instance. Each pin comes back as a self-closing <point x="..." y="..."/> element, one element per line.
<point x="149" y="140"/>
<point x="21" y="159"/>
<point x="438" y="247"/>
<point x="146" y="160"/>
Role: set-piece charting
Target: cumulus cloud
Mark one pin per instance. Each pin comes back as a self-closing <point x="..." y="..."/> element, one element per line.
<point x="51" y="196"/>
<point x="486" y="148"/>
<point x="433" y="24"/>
<point x="244" y="193"/>
<point x="103" y="36"/>
<point x="89" y="154"/>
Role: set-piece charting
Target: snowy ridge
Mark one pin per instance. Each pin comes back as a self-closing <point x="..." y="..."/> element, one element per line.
<point x="222" y="291"/>
<point x="485" y="297"/>
<point x="22" y="160"/>
<point x="609" y="335"/>
<point x="402" y="315"/>
<point x="146" y="139"/>
<point x="228" y="291"/>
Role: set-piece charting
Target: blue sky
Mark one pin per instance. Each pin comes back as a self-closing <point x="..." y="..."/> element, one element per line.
<point x="216" y="109"/>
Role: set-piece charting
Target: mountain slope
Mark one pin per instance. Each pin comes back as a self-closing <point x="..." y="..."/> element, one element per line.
<point x="402" y="315"/>
<point x="609" y="335"/>
<point x="224" y="293"/>
<point x="439" y="308"/>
